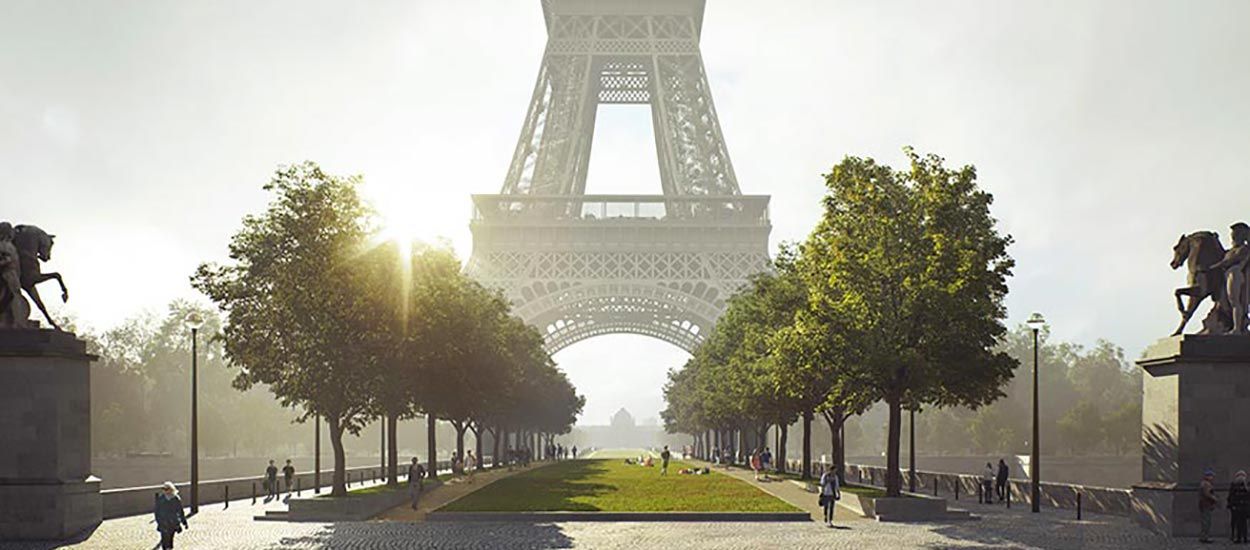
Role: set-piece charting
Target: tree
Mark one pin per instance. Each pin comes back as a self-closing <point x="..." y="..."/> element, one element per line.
<point x="292" y="294"/>
<point x="908" y="276"/>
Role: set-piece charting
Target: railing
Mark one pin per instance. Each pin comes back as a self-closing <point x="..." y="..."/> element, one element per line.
<point x="129" y="501"/>
<point x="729" y="209"/>
<point x="1101" y="500"/>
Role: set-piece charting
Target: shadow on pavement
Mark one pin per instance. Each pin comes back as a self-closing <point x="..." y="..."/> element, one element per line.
<point x="511" y="535"/>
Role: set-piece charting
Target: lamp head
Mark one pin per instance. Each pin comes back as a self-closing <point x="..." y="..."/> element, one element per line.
<point x="1036" y="321"/>
<point x="194" y="321"/>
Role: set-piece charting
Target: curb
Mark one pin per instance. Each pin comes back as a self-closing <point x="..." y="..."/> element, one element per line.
<point x="555" y="517"/>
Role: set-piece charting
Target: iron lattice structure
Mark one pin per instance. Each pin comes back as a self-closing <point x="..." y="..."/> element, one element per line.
<point x="578" y="265"/>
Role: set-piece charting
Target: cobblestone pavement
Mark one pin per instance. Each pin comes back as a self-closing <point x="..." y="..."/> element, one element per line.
<point x="998" y="528"/>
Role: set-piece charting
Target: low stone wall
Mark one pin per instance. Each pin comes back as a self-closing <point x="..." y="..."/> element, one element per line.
<point x="1098" y="500"/>
<point x="348" y="508"/>
<point x="132" y="501"/>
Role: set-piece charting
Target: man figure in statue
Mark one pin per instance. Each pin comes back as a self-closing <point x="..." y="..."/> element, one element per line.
<point x="11" y="314"/>
<point x="1234" y="265"/>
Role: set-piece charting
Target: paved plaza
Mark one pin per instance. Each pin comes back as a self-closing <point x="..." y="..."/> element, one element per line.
<point x="216" y="528"/>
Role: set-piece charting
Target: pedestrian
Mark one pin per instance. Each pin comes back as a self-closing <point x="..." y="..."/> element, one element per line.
<point x="987" y="483"/>
<point x="470" y="464"/>
<point x="1239" y="505"/>
<point x="830" y="494"/>
<point x="288" y="475"/>
<point x="416" y="481"/>
<point x="664" y="456"/>
<point x="715" y="456"/>
<point x="767" y="461"/>
<point x="170" y="518"/>
<point x="1000" y="481"/>
<point x="756" y="463"/>
<point x="271" y="482"/>
<point x="575" y="452"/>
<point x="1206" y="503"/>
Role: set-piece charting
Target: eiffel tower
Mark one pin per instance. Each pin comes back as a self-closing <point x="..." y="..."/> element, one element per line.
<point x="578" y="265"/>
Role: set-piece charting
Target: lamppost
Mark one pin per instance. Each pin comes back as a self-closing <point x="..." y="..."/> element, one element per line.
<point x="911" y="450"/>
<point x="1035" y="322"/>
<point x="194" y="322"/>
<point x="317" y="457"/>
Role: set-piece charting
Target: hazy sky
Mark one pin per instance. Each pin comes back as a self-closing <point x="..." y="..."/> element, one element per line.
<point x="140" y="132"/>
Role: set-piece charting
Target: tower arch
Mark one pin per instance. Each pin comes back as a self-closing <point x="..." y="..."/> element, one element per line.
<point x="578" y="265"/>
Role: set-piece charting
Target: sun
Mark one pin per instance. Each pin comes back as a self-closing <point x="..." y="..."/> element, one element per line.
<point x="400" y="221"/>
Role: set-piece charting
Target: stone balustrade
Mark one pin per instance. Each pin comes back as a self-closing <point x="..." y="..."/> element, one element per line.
<point x="1098" y="500"/>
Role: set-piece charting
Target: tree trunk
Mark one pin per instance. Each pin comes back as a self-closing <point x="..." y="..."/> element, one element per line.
<point x="339" y="485"/>
<point x="494" y="454"/>
<point x="392" y="450"/>
<point x="716" y="448"/>
<point x="781" y="447"/>
<point x="893" y="482"/>
<point x="431" y="448"/>
<point x="460" y="428"/>
<point x="477" y="446"/>
<point x="835" y="418"/>
<point x="807" y="445"/>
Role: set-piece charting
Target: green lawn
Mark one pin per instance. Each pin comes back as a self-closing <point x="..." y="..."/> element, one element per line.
<point x="613" y="486"/>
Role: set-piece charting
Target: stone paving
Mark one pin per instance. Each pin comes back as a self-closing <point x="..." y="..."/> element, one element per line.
<point x="999" y="528"/>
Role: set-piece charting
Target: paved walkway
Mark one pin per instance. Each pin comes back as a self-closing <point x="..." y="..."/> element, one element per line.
<point x="449" y="491"/>
<point x="789" y="492"/>
<point x="217" y="528"/>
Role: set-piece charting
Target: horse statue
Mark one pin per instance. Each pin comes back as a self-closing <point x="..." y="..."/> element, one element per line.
<point x="33" y="247"/>
<point x="1198" y="252"/>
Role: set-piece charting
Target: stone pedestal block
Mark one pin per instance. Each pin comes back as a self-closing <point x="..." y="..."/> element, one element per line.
<point x="46" y="487"/>
<point x="1195" y="415"/>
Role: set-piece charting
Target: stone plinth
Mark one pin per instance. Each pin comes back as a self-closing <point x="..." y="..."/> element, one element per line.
<point x="46" y="487"/>
<point x="1195" y="415"/>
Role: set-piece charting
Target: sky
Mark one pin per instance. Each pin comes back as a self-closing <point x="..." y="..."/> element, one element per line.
<point x="140" y="133"/>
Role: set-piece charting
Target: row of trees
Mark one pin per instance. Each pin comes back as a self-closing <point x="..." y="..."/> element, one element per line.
<point x="139" y="391"/>
<point x="343" y="326"/>
<point x="895" y="297"/>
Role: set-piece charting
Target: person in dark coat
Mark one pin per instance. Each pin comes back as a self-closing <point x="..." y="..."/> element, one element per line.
<point x="1000" y="481"/>
<point x="1239" y="505"/>
<point x="169" y="516"/>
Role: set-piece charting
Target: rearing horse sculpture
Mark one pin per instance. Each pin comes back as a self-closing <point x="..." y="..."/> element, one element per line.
<point x="35" y="246"/>
<point x="1199" y="251"/>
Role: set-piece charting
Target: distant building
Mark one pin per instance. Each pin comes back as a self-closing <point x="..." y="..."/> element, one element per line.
<point x="622" y="420"/>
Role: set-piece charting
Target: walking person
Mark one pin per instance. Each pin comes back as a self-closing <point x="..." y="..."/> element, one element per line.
<point x="170" y="518"/>
<point x="664" y="456"/>
<point x="756" y="463"/>
<point x="575" y="452"/>
<point x="288" y="475"/>
<point x="416" y="481"/>
<point x="1206" y="504"/>
<point x="766" y="460"/>
<point x="1000" y="481"/>
<point x="1239" y="505"/>
<point x="271" y="482"/>
<point x="470" y="464"/>
<point x="830" y="494"/>
<point x="987" y="483"/>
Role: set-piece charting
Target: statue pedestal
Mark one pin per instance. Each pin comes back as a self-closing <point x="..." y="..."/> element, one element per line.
<point x="46" y="487"/>
<point x="1195" y="415"/>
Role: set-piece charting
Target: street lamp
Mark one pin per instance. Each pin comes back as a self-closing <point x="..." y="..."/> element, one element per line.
<point x="194" y="321"/>
<point x="1035" y="322"/>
